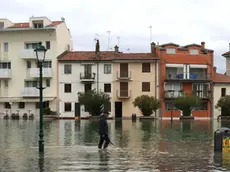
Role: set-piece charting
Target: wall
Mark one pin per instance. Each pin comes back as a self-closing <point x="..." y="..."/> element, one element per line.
<point x="135" y="85"/>
<point x="183" y="57"/>
<point x="217" y="96"/>
<point x="78" y="86"/>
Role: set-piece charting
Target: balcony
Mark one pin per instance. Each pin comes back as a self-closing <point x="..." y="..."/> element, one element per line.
<point x="172" y="94"/>
<point x="34" y="72"/>
<point x="188" y="77"/>
<point x="5" y="73"/>
<point x="30" y="92"/>
<point x="29" y="54"/>
<point x="202" y="94"/>
<point x="87" y="77"/>
<point x="124" y="75"/>
<point x="123" y="94"/>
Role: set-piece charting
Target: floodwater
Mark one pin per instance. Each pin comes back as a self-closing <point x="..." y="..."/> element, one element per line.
<point x="139" y="146"/>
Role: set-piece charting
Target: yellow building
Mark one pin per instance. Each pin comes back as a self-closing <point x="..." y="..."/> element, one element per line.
<point x="134" y="74"/>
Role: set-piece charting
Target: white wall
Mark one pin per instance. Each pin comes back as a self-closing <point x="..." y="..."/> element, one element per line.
<point x="217" y="95"/>
<point x="77" y="86"/>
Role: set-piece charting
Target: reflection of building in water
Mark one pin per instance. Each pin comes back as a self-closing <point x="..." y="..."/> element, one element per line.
<point x="185" y="143"/>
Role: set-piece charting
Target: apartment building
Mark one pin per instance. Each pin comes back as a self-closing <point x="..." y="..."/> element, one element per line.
<point x="134" y="74"/>
<point x="80" y="71"/>
<point x="19" y="72"/>
<point x="221" y="84"/>
<point x="185" y="69"/>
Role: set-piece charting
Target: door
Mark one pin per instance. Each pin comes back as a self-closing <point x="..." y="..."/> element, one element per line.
<point x="124" y="89"/>
<point x="124" y="69"/>
<point x="118" y="109"/>
<point x="77" y="110"/>
<point x="88" y="71"/>
<point x="88" y="87"/>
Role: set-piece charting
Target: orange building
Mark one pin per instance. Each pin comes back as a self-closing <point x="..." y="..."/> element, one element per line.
<point x="185" y="69"/>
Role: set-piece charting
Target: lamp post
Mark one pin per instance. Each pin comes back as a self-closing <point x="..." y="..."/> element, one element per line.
<point x="97" y="53"/>
<point x="40" y="54"/>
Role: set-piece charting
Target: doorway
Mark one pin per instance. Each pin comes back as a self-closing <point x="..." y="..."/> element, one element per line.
<point x="124" y="86"/>
<point x="88" y="87"/>
<point x="124" y="67"/>
<point x="77" y="110"/>
<point x="118" y="109"/>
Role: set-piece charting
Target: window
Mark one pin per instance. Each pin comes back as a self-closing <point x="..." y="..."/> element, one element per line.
<point x="67" y="69"/>
<point x="31" y="45"/>
<point x="107" y="68"/>
<point x="171" y="51"/>
<point x="5" y="65"/>
<point x="193" y="52"/>
<point x="107" y="88"/>
<point x="6" y="83"/>
<point x="47" y="64"/>
<point x="169" y="106"/>
<point x="37" y="105"/>
<point x="1" y="25"/>
<point x="6" y="47"/>
<point x="67" y="88"/>
<point x="146" y="67"/>
<point x="21" y="105"/>
<point x="88" y="87"/>
<point x="68" y="107"/>
<point x="28" y="63"/>
<point x="48" y="82"/>
<point x="223" y="92"/>
<point x="38" y="24"/>
<point x="31" y="83"/>
<point x="145" y="86"/>
<point x="48" y="45"/>
<point x="7" y="105"/>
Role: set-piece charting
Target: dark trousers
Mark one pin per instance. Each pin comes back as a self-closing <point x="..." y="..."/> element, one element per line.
<point x="103" y="139"/>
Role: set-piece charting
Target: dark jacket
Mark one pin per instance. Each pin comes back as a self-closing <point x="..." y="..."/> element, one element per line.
<point x="103" y="125"/>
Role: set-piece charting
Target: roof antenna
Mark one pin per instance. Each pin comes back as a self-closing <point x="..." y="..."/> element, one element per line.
<point x="108" y="39"/>
<point x="150" y="27"/>
<point x="118" y="41"/>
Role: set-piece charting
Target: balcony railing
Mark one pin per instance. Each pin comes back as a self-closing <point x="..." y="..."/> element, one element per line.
<point x="87" y="76"/>
<point x="188" y="76"/>
<point x="202" y="94"/>
<point x="29" y="92"/>
<point x="29" y="54"/>
<point x="170" y="94"/>
<point x="5" y="73"/>
<point x="46" y="72"/>
<point x="123" y="74"/>
<point x="123" y="94"/>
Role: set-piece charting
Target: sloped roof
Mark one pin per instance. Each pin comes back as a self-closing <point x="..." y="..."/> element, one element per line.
<point x="26" y="25"/>
<point x="221" y="78"/>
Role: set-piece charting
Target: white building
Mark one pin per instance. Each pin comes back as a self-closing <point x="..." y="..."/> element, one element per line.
<point x="19" y="72"/>
<point x="78" y="73"/>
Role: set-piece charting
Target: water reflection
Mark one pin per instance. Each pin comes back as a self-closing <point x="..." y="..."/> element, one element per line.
<point x="72" y="146"/>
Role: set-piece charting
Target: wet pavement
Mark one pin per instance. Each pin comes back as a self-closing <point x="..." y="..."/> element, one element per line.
<point x="139" y="146"/>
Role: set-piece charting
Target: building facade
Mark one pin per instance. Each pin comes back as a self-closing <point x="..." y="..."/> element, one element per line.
<point x="185" y="69"/>
<point x="122" y="76"/>
<point x="134" y="74"/>
<point x="19" y="72"/>
<point x="221" y="84"/>
<point x="79" y="72"/>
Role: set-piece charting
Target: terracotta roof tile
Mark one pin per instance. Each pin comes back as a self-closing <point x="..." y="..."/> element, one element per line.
<point x="221" y="78"/>
<point x="105" y="55"/>
<point x="26" y="25"/>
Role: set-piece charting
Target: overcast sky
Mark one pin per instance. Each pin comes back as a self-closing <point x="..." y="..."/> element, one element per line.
<point x="179" y="21"/>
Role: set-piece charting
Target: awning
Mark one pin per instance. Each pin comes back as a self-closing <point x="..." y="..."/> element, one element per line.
<point x="14" y="100"/>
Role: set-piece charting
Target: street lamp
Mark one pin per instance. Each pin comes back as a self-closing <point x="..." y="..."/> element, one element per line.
<point x="40" y="54"/>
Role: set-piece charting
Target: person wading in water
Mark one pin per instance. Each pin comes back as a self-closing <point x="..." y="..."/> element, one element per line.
<point x="103" y="131"/>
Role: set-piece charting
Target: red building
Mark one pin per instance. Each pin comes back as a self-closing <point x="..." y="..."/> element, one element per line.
<point x="185" y="69"/>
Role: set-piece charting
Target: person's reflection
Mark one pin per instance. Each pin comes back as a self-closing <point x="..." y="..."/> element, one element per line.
<point x="41" y="162"/>
<point x="104" y="159"/>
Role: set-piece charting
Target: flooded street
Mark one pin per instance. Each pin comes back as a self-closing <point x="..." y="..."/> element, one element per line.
<point x="139" y="146"/>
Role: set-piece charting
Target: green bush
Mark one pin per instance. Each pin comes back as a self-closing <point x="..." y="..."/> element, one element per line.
<point x="185" y="103"/>
<point x="92" y="100"/>
<point x="147" y="104"/>
<point x="224" y="103"/>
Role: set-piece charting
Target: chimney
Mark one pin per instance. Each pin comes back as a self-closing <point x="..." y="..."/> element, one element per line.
<point x="214" y="68"/>
<point x="203" y="45"/>
<point x="153" y="48"/>
<point x="116" y="49"/>
<point x="97" y="48"/>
